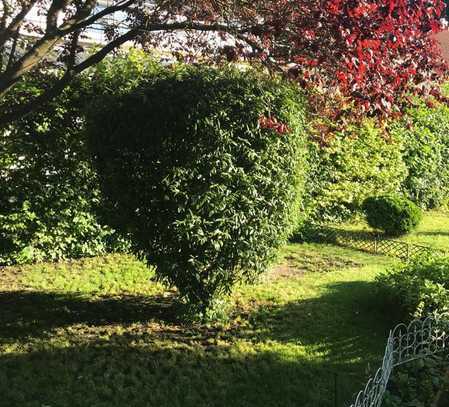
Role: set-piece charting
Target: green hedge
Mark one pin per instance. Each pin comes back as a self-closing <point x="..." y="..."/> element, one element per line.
<point x="48" y="188"/>
<point x="355" y="164"/>
<point x="205" y="169"/>
<point x="51" y="208"/>
<point x="50" y="202"/>
<point x="417" y="288"/>
<point x="360" y="162"/>
<point x="424" y="133"/>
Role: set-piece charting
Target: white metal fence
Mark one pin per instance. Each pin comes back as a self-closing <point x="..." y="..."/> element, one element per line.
<point x="419" y="339"/>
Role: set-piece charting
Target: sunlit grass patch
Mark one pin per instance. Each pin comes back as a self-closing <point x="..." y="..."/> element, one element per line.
<point x="101" y="332"/>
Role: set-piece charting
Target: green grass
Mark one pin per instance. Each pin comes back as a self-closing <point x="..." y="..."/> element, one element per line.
<point x="433" y="230"/>
<point x="99" y="332"/>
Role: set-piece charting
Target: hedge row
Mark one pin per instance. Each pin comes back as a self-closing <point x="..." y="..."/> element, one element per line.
<point x="50" y="203"/>
<point x="51" y="206"/>
<point x="412" y="160"/>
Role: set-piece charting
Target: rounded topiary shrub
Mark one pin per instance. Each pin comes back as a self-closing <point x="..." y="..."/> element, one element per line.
<point x="205" y="169"/>
<point x="393" y="214"/>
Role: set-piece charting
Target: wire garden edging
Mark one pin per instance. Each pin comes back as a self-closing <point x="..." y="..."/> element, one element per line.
<point x="368" y="242"/>
<point x="418" y="340"/>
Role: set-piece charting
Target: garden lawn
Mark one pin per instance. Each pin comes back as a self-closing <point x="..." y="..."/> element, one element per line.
<point x="97" y="332"/>
<point x="433" y="230"/>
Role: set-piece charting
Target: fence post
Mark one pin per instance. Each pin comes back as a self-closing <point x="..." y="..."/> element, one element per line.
<point x="375" y="244"/>
<point x="336" y="389"/>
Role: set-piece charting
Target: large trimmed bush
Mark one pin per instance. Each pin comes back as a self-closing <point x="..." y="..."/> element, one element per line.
<point x="419" y="287"/>
<point x="204" y="168"/>
<point x="353" y="165"/>
<point x="392" y="214"/>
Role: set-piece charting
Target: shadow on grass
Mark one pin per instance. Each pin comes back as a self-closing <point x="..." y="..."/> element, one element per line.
<point x="119" y="376"/>
<point x="287" y="355"/>
<point x="349" y="321"/>
<point x="25" y="313"/>
<point x="436" y="233"/>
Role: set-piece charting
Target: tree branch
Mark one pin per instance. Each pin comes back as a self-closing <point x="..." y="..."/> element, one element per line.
<point x="101" y="54"/>
<point x="28" y="61"/>
<point x="6" y="34"/>
<point x="21" y="111"/>
<point x="81" y="14"/>
<point x="73" y="50"/>
<point x="56" y="7"/>
<point x="42" y="47"/>
<point x="12" y="52"/>
<point x="72" y="25"/>
<point x="6" y="13"/>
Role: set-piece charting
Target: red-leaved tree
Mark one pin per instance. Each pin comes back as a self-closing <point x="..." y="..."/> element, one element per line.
<point x="356" y="55"/>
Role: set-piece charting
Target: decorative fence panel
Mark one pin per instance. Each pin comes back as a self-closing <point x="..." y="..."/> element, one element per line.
<point x="369" y="242"/>
<point x="420" y="339"/>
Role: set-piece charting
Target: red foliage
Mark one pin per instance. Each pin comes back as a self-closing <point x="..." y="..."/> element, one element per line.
<point x="373" y="52"/>
<point x="272" y="123"/>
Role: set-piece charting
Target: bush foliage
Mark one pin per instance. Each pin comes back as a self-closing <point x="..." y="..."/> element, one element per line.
<point x="204" y="168"/>
<point x="419" y="287"/>
<point x="424" y="134"/>
<point x="418" y="383"/>
<point x="355" y="164"/>
<point x="49" y="193"/>
<point x="51" y="207"/>
<point x="360" y="162"/>
<point x="392" y="214"/>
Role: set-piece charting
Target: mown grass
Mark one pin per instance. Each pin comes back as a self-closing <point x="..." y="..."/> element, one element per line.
<point x="433" y="230"/>
<point x="100" y="332"/>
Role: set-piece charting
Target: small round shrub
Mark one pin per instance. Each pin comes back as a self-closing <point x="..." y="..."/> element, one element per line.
<point x="419" y="287"/>
<point x="205" y="169"/>
<point x="393" y="214"/>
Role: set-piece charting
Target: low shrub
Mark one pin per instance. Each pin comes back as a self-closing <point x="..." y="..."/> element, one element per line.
<point x="419" y="287"/>
<point x="392" y="214"/>
<point x="418" y="383"/>
<point x="355" y="164"/>
<point x="205" y="169"/>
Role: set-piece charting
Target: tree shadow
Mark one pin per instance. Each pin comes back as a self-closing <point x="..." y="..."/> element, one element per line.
<point x="348" y="325"/>
<point x="30" y="313"/>
<point x="303" y="353"/>
<point x="120" y="373"/>
<point x="435" y="233"/>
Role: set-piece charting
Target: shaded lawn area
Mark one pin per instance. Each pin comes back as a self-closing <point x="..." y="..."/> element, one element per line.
<point x="97" y="332"/>
<point x="433" y="230"/>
